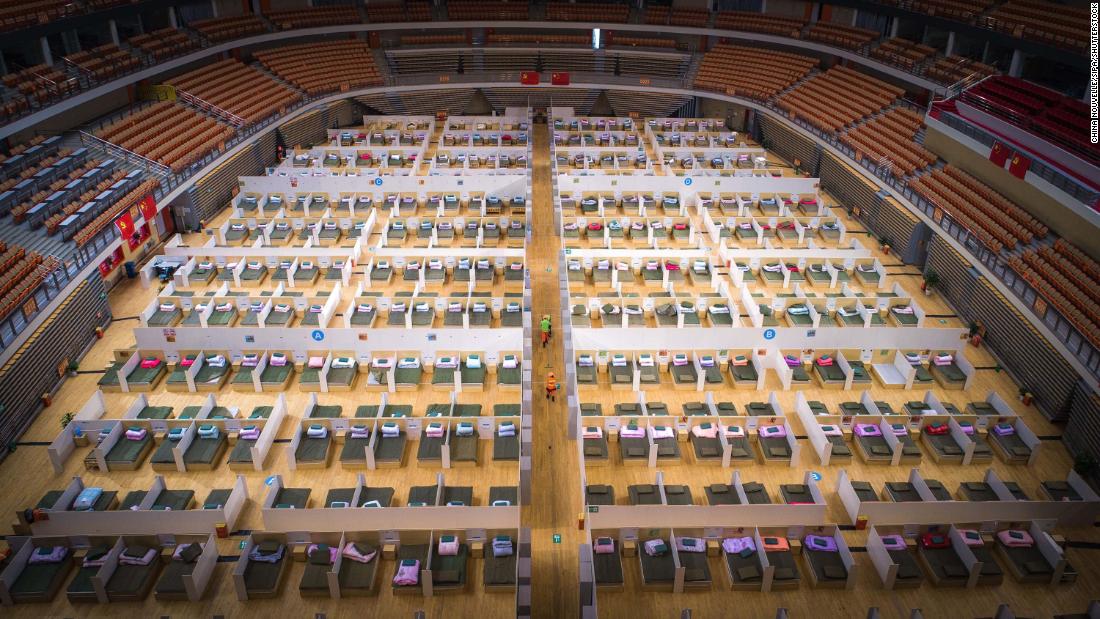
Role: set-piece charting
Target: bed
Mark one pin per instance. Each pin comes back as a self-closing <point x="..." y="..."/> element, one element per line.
<point x="756" y="493"/>
<point x="132" y="583"/>
<point x="80" y="588"/>
<point x="128" y="454"/>
<point x="430" y="448"/>
<point x="1025" y="561"/>
<point x="621" y="372"/>
<point x="743" y="372"/>
<point x="633" y="450"/>
<point x="1059" y="491"/>
<point x="240" y="457"/>
<point x="678" y="494"/>
<point x="658" y="572"/>
<point x="909" y="574"/>
<point x="829" y="374"/>
<point x="901" y="492"/>
<point x="354" y="451"/>
<point x="499" y="573"/>
<point x="449" y="571"/>
<point x="942" y="563"/>
<point x="40" y="582"/>
<point x="205" y="452"/>
<point x="313" y="451"/>
<point x="644" y="494"/>
<point x="721" y="494"/>
<point x="166" y="315"/>
<point x="599" y="494"/>
<point x="949" y="376"/>
<point x="705" y="444"/>
<point x="742" y="561"/>
<point x="976" y="491"/>
<point x="579" y="316"/>
<point x="292" y="498"/>
<point x="827" y="569"/>
<point x="795" y="494"/>
<point x="264" y="579"/>
<point x="607" y="566"/>
<point x="1008" y="445"/>
<point x="871" y="444"/>
<point x="389" y="449"/>
<point x="314" y="582"/>
<point x="786" y="575"/>
<point x="775" y="449"/>
<point x="145" y="379"/>
<point x="464" y="448"/>
<point x="943" y="446"/>
<point x="506" y="446"/>
<point x="357" y="578"/>
<point x="990" y="573"/>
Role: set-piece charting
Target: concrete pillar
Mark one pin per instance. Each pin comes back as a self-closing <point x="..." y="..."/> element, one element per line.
<point x="256" y="7"/>
<point x="763" y="6"/>
<point x="985" y="53"/>
<point x="47" y="57"/>
<point x="894" y="27"/>
<point x="113" y="26"/>
<point x="214" y="7"/>
<point x="4" y="71"/>
<point x="950" y="49"/>
<point x="815" y="11"/>
<point x="172" y="17"/>
<point x="1017" y="65"/>
<point x="855" y="16"/>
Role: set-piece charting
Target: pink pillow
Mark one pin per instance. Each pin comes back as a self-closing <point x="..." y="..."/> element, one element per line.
<point x="316" y="362"/>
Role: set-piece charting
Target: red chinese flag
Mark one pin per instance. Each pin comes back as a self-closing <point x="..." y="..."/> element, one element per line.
<point x="148" y="206"/>
<point x="999" y="154"/>
<point x="559" y="78"/>
<point x="529" y="78"/>
<point x="125" y="224"/>
<point x="1019" y="166"/>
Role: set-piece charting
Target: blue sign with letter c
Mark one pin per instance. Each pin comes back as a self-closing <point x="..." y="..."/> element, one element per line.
<point x="688" y="181"/>
<point x="378" y="181"/>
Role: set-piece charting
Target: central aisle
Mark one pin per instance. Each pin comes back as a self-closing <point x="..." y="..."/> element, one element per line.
<point x="555" y="480"/>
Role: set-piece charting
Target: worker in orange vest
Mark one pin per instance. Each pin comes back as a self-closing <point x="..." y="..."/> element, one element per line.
<point x="551" y="387"/>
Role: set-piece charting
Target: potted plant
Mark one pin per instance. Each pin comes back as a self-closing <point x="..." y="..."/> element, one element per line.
<point x="931" y="280"/>
<point x="1026" y="396"/>
<point x="885" y="243"/>
<point x="73" y="367"/>
<point x="1086" y="466"/>
<point x="67" y="418"/>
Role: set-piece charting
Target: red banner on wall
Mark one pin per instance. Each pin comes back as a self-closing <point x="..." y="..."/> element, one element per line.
<point x="148" y="206"/>
<point x="125" y="224"/>
<point x="529" y="78"/>
<point x="559" y="78"/>
<point x="999" y="154"/>
<point x="1019" y="166"/>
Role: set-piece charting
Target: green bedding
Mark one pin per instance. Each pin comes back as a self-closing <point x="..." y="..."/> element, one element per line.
<point x="312" y="450"/>
<point x="132" y="580"/>
<point x="127" y="451"/>
<point x="295" y="497"/>
<point x="390" y="449"/>
<point x="204" y="450"/>
<point x="145" y="376"/>
<point x="155" y="412"/>
<point x="449" y="571"/>
<point x="273" y="375"/>
<point x="39" y="581"/>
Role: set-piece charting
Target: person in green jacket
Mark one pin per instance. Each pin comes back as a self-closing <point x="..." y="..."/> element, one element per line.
<point x="545" y="326"/>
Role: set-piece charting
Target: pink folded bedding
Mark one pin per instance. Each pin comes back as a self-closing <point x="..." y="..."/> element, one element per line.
<point x="867" y="429"/>
<point x="772" y="431"/>
<point x="1015" y="538"/>
<point x="632" y="432"/>
<point x="1004" y="429"/>
<point x="603" y="546"/>
<point x="408" y="573"/>
<point x="971" y="537"/>
<point x="351" y="551"/>
<point x="48" y="554"/>
<point x="333" y="552"/>
<point x="690" y="544"/>
<point x="737" y="545"/>
<point x="594" y="432"/>
<point x="149" y="363"/>
<point x="705" y="430"/>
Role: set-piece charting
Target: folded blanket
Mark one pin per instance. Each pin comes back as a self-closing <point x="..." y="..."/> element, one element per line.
<point x="631" y="432"/>
<point x="136" y="433"/>
<point x="867" y="429"/>
<point x="359" y="431"/>
<point x="342" y="363"/>
<point x="434" y="430"/>
<point x="690" y="544"/>
<point x="893" y="542"/>
<point x="772" y="431"/>
<point x="138" y="555"/>
<point x="1015" y="538"/>
<point x="830" y="430"/>
<point x="391" y="430"/>
<point x="603" y="546"/>
<point x="734" y="431"/>
<point x="659" y="432"/>
<point x="739" y="545"/>
<point x="317" y="431"/>
<point x="48" y="554"/>
<point x="971" y="537"/>
<point x="87" y="499"/>
<point x="277" y="360"/>
<point x="249" y="433"/>
<point x="208" y="431"/>
<point x="448" y="545"/>
<point x="705" y="430"/>
<point x="149" y="363"/>
<point x="250" y="360"/>
<point x="502" y="546"/>
<point x="594" y="432"/>
<point x="216" y="361"/>
<point x="408" y="573"/>
<point x="267" y="552"/>
<point x="1004" y="429"/>
<point x="359" y="552"/>
<point x="820" y="543"/>
<point x="655" y="547"/>
<point x="187" y="553"/>
<point x="506" y="429"/>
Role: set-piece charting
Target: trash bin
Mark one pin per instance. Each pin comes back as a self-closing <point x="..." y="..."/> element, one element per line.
<point x="131" y="269"/>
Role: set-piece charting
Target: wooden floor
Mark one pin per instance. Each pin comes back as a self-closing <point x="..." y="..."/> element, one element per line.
<point x="556" y="507"/>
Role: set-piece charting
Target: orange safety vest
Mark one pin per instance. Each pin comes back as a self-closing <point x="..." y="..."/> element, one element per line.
<point x="551" y="384"/>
